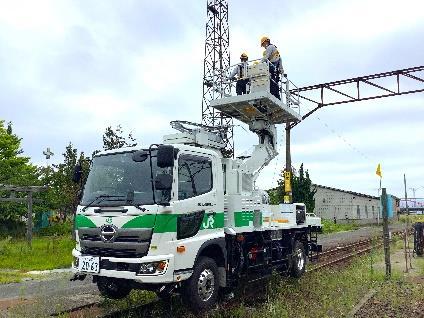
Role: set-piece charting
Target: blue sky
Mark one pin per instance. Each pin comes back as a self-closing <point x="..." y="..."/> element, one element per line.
<point x="70" y="68"/>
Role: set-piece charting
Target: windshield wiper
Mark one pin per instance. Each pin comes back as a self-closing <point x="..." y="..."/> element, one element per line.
<point x="102" y="197"/>
<point x="130" y="200"/>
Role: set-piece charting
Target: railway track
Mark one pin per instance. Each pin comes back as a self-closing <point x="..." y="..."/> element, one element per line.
<point x="344" y="252"/>
<point x="328" y="258"/>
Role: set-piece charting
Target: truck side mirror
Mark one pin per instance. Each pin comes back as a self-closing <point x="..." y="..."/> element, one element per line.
<point x="163" y="182"/>
<point x="140" y="155"/>
<point x="77" y="173"/>
<point x="165" y="156"/>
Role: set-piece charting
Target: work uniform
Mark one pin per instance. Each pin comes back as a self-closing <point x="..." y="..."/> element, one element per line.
<point x="240" y="70"/>
<point x="272" y="55"/>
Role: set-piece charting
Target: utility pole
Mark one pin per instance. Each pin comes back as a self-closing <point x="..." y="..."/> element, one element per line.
<point x="415" y="197"/>
<point x="288" y="196"/>
<point x="413" y="193"/>
<point x="406" y="239"/>
<point x="386" y="235"/>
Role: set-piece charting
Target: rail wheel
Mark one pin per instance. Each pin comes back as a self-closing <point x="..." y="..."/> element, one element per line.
<point x="298" y="260"/>
<point x="113" y="288"/>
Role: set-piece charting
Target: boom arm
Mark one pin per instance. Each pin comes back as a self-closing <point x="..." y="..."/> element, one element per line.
<point x="264" y="152"/>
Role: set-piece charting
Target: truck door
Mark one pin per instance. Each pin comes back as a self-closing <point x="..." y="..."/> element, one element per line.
<point x="200" y="213"/>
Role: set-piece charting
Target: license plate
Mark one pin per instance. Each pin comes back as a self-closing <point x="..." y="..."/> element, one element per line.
<point x="89" y="264"/>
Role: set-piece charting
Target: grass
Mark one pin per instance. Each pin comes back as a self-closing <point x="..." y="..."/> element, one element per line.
<point x="331" y="227"/>
<point x="44" y="254"/>
<point x="12" y="277"/>
<point x="412" y="218"/>
<point x="327" y="293"/>
<point x="420" y="263"/>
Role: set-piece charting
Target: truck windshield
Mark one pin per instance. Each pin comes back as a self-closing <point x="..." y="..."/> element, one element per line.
<point x="119" y="180"/>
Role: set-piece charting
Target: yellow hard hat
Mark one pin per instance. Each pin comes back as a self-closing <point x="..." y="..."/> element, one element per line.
<point x="264" y="39"/>
<point x="243" y="56"/>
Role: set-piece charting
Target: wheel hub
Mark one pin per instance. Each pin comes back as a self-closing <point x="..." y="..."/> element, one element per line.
<point x="300" y="259"/>
<point x="206" y="284"/>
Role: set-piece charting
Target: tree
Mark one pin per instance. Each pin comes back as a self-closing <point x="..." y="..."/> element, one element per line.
<point x="64" y="193"/>
<point x="113" y="139"/>
<point x="15" y="169"/>
<point x="302" y="189"/>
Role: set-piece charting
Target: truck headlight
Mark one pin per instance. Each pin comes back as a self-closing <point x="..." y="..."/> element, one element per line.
<point x="153" y="268"/>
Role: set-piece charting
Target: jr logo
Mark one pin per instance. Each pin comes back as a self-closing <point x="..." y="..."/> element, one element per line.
<point x="109" y="220"/>
<point x="208" y="224"/>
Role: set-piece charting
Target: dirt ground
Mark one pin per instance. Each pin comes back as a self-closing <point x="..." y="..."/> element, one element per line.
<point x="403" y="296"/>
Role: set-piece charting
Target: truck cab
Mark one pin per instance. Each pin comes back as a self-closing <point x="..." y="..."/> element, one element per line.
<point x="132" y="228"/>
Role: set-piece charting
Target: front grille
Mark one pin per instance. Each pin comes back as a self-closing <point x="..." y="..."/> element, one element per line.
<point x="122" y="238"/>
<point x="127" y="267"/>
<point x="133" y="238"/>
<point x="110" y="252"/>
<point x="94" y="238"/>
<point x="123" y="243"/>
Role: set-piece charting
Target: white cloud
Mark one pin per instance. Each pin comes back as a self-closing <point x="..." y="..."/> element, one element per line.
<point x="70" y="69"/>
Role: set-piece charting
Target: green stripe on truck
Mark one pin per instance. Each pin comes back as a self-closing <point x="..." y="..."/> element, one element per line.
<point x="243" y="218"/>
<point x="83" y="221"/>
<point x="161" y="223"/>
<point x="142" y="221"/>
<point x="166" y="223"/>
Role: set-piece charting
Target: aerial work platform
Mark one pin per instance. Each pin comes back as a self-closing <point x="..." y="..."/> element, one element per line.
<point x="254" y="106"/>
<point x="258" y="103"/>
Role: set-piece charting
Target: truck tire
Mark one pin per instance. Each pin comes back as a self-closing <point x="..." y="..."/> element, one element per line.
<point x="298" y="260"/>
<point x="113" y="288"/>
<point x="201" y="290"/>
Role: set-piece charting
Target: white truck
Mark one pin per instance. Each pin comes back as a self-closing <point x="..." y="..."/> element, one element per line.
<point x="179" y="216"/>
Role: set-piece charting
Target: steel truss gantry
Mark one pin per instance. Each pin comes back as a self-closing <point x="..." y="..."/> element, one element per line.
<point x="361" y="83"/>
<point x="217" y="60"/>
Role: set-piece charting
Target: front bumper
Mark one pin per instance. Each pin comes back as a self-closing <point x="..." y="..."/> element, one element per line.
<point x="127" y="268"/>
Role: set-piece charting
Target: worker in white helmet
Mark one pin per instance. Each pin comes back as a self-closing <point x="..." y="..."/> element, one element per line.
<point x="239" y="71"/>
<point x="272" y="55"/>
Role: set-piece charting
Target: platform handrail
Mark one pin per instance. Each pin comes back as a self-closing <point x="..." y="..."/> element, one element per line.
<point x="285" y="85"/>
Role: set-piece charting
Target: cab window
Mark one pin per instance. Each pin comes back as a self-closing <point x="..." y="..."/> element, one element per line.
<point x="194" y="176"/>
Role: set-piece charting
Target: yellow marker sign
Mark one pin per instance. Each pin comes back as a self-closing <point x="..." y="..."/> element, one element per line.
<point x="286" y="199"/>
<point x="378" y="171"/>
<point x="287" y="182"/>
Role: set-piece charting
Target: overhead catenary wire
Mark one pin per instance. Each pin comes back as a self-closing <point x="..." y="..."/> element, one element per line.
<point x="342" y="138"/>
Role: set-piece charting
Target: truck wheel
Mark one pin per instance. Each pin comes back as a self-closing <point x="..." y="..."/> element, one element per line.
<point x="200" y="291"/>
<point x="298" y="260"/>
<point x="113" y="288"/>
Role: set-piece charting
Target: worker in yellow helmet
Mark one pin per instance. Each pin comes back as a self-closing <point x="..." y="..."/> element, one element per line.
<point x="272" y="55"/>
<point x="239" y="71"/>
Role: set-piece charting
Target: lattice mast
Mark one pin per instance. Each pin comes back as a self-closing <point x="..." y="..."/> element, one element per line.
<point x="217" y="60"/>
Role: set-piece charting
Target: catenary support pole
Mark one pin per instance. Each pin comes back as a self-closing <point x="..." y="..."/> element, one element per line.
<point x="386" y="235"/>
<point x="406" y="225"/>
<point x="288" y="198"/>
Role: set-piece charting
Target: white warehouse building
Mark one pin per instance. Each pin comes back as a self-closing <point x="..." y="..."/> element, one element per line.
<point x="345" y="206"/>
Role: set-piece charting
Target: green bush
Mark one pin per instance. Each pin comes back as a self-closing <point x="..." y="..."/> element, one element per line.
<point x="330" y="227"/>
<point x="12" y="228"/>
<point x="58" y="229"/>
